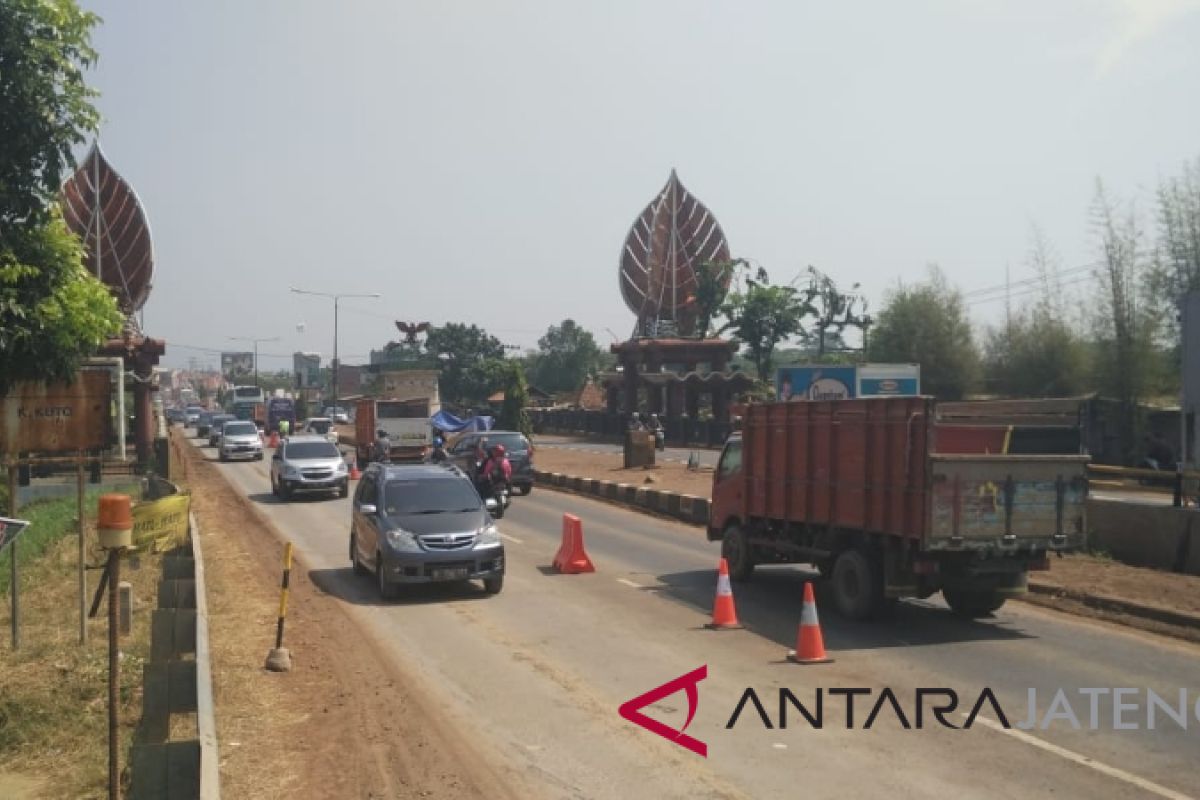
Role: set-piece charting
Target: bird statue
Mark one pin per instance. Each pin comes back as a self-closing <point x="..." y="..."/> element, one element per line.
<point x="410" y="330"/>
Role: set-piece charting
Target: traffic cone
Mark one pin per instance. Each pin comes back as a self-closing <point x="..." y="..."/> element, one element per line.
<point x="810" y="645"/>
<point x="571" y="557"/>
<point x="354" y="473"/>
<point x="724" y="613"/>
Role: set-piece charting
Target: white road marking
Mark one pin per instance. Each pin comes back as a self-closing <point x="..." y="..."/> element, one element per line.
<point x="629" y="583"/>
<point x="779" y="746"/>
<point x="1082" y="760"/>
<point x="512" y="539"/>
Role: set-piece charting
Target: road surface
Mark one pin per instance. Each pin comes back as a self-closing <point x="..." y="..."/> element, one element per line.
<point x="537" y="672"/>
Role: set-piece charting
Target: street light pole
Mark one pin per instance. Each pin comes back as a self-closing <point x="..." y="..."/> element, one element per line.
<point x="336" y="297"/>
<point x="255" y="341"/>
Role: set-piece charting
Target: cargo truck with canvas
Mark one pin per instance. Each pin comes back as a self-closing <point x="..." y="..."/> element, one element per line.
<point x="859" y="489"/>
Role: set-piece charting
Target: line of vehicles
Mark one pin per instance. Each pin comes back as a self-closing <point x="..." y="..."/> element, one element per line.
<point x="412" y="521"/>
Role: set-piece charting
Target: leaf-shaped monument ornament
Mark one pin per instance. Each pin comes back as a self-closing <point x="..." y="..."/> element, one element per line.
<point x="668" y="241"/>
<point x="103" y="210"/>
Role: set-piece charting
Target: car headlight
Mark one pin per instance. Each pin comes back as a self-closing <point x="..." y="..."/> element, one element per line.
<point x="403" y="541"/>
<point x="488" y="536"/>
<point x="340" y="468"/>
<point x="291" y="472"/>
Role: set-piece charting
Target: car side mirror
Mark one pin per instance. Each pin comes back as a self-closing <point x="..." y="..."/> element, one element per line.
<point x="490" y="504"/>
<point x="368" y="509"/>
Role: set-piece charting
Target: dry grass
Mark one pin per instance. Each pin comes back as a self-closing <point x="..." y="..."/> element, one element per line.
<point x="53" y="708"/>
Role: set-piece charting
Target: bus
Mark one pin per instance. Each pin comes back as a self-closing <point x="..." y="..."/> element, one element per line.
<point x="245" y="399"/>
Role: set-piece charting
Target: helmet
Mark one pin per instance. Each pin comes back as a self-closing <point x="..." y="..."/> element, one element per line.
<point x="381" y="433"/>
<point x="654" y="417"/>
<point x="498" y="451"/>
<point x="635" y="416"/>
<point x="438" y="442"/>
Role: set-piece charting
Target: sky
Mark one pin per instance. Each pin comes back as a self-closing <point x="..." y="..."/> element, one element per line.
<point x="482" y="162"/>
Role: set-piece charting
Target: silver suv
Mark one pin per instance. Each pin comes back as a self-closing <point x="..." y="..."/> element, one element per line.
<point x="308" y="464"/>
<point x="240" y="439"/>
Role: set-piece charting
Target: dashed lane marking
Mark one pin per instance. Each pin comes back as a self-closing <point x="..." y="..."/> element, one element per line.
<point x="629" y="583"/>
<point x="512" y="539"/>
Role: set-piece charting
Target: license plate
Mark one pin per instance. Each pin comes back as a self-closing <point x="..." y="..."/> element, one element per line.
<point x="455" y="574"/>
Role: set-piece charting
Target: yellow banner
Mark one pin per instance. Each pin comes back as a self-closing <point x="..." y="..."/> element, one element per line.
<point x="161" y="524"/>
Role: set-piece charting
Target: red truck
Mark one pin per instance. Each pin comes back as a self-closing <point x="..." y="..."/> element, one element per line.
<point x="868" y="492"/>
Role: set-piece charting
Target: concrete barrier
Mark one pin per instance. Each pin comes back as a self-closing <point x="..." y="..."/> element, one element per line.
<point x="1161" y="537"/>
<point x="161" y="766"/>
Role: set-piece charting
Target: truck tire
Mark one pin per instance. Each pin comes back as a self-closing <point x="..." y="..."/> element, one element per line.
<point x="973" y="604"/>
<point x="857" y="585"/>
<point x="735" y="548"/>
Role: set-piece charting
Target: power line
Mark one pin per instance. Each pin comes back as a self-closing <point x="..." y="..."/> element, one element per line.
<point x="1002" y="288"/>
<point x="1027" y="291"/>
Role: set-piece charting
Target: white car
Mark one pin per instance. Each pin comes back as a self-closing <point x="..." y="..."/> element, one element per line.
<point x="337" y="414"/>
<point x="240" y="439"/>
<point x="321" y="426"/>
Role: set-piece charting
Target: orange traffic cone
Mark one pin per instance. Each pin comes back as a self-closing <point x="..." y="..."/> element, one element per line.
<point x="724" y="613"/>
<point x="354" y="473"/>
<point x="571" y="557"/>
<point x="810" y="645"/>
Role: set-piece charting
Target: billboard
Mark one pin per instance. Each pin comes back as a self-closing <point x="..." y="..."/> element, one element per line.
<point x="888" y="380"/>
<point x="306" y="368"/>
<point x="57" y="417"/>
<point x="842" y="381"/>
<point x="820" y="382"/>
<point x="237" y="367"/>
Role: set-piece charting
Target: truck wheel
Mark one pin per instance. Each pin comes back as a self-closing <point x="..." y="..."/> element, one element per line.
<point x="972" y="604"/>
<point x="736" y="551"/>
<point x="857" y="585"/>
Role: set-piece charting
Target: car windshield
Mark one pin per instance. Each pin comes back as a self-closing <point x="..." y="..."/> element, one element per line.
<point x="511" y="441"/>
<point x="319" y="426"/>
<point x="429" y="496"/>
<point x="239" y="429"/>
<point x="303" y="450"/>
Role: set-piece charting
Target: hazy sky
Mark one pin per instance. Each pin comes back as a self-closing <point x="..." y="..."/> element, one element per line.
<point x="483" y="161"/>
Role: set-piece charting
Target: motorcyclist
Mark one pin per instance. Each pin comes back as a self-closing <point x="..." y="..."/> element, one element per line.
<point x="496" y="473"/>
<point x="438" y="455"/>
<point x="635" y="422"/>
<point x="383" y="446"/>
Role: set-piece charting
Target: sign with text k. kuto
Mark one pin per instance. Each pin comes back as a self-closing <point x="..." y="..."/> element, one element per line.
<point x="57" y="417"/>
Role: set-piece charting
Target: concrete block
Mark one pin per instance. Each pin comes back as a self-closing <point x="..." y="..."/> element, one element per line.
<point x="1138" y="534"/>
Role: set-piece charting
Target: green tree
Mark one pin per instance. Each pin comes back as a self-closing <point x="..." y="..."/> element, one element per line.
<point x="1038" y="352"/>
<point x="834" y="309"/>
<point x="513" y="416"/>
<point x="567" y="354"/>
<point x="712" y="286"/>
<point x="463" y="352"/>
<point x="1176" y="268"/>
<point x="45" y="105"/>
<point x="52" y="312"/>
<point x="763" y="316"/>
<point x="927" y="324"/>
<point x="1124" y="327"/>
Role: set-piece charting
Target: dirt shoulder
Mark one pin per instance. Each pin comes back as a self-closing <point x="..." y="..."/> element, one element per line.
<point x="605" y="466"/>
<point x="1073" y="576"/>
<point x="343" y="723"/>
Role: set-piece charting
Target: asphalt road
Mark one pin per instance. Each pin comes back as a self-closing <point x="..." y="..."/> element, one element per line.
<point x="537" y="672"/>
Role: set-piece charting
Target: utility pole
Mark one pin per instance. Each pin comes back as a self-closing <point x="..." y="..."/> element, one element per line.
<point x="336" y="300"/>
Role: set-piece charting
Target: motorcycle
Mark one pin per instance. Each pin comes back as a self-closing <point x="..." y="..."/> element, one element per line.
<point x="496" y="501"/>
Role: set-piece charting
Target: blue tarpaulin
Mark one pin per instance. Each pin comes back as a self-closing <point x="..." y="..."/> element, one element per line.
<point x="447" y="422"/>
